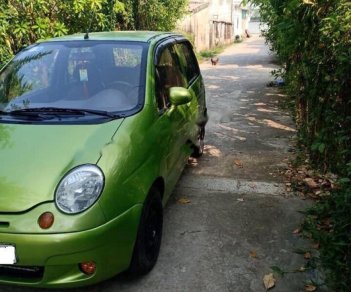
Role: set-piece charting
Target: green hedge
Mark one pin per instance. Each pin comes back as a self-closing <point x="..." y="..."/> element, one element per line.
<point x="312" y="39"/>
<point x="22" y="22"/>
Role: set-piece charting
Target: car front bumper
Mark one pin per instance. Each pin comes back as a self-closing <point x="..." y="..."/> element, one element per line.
<point x="110" y="246"/>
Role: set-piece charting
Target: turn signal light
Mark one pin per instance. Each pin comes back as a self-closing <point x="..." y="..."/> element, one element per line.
<point x="46" y="220"/>
<point x="88" y="268"/>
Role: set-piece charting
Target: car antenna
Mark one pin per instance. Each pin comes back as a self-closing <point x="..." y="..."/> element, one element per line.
<point x="86" y="36"/>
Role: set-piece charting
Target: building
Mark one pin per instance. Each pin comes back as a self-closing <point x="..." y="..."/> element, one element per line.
<point x="215" y="22"/>
<point x="197" y="24"/>
<point x="240" y="18"/>
<point x="221" y="27"/>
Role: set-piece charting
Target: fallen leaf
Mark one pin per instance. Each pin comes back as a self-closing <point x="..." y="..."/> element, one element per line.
<point x="311" y="183"/>
<point x="316" y="245"/>
<point x="238" y="163"/>
<point x="252" y="185"/>
<point x="183" y="200"/>
<point x="296" y="231"/>
<point x="253" y="254"/>
<point x="307" y="255"/>
<point x="309" y="2"/>
<point x="269" y="281"/>
<point x="317" y="193"/>
<point x="310" y="288"/>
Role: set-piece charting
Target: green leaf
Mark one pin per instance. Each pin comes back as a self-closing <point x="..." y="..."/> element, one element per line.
<point x="344" y="180"/>
<point x="321" y="147"/>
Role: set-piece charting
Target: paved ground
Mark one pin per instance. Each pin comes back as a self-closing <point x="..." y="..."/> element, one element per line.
<point x="240" y="219"/>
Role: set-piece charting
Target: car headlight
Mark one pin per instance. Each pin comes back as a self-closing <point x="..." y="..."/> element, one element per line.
<point x="79" y="189"/>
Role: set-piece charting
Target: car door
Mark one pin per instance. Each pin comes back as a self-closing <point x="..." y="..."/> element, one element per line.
<point x="196" y="113"/>
<point x="172" y="119"/>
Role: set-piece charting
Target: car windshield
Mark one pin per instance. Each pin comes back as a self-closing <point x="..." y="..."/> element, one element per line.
<point x="96" y="76"/>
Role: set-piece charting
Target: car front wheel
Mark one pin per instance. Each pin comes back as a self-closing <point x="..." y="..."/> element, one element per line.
<point x="148" y="242"/>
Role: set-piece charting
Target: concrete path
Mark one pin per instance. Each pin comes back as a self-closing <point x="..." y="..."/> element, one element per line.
<point x="239" y="220"/>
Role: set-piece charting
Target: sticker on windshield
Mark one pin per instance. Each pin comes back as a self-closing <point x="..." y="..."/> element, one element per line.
<point x="83" y="74"/>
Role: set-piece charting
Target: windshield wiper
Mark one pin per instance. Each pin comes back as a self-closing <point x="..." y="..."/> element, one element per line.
<point x="17" y="113"/>
<point x="60" y="111"/>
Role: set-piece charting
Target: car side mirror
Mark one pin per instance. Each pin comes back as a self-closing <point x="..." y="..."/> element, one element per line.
<point x="179" y="95"/>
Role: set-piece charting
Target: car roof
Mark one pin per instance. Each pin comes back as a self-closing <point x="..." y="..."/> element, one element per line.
<point x="140" y="36"/>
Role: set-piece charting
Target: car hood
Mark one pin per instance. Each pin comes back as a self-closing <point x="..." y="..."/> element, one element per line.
<point x="34" y="158"/>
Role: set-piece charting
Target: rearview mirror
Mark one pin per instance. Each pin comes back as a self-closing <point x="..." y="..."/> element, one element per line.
<point x="179" y="95"/>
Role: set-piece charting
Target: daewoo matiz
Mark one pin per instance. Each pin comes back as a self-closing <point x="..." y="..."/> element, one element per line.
<point x="95" y="130"/>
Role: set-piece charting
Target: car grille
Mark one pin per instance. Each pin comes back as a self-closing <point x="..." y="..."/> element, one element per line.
<point x="28" y="272"/>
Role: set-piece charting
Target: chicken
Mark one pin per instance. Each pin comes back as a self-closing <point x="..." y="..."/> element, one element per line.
<point x="214" y="61"/>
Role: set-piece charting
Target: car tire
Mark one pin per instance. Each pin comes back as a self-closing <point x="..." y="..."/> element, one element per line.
<point x="148" y="241"/>
<point x="198" y="148"/>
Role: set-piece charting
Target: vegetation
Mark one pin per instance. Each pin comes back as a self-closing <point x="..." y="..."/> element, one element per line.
<point x="312" y="40"/>
<point x="22" y="22"/>
<point x="207" y="54"/>
<point x="211" y="53"/>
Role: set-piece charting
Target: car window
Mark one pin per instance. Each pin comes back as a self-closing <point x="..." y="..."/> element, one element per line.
<point x="32" y="72"/>
<point x="97" y="75"/>
<point x="188" y="61"/>
<point x="168" y="74"/>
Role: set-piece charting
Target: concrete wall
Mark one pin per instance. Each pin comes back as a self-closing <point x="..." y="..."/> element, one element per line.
<point x="241" y="18"/>
<point x="197" y="24"/>
<point x="221" y="28"/>
<point x="237" y="20"/>
<point x="220" y="33"/>
<point x="214" y="22"/>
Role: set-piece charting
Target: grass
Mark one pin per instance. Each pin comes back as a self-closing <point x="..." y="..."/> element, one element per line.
<point x="206" y="54"/>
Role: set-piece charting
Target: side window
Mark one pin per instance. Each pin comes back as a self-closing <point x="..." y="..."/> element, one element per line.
<point x="188" y="61"/>
<point x="168" y="74"/>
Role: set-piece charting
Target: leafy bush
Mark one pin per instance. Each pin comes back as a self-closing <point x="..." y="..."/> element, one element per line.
<point x="211" y="53"/>
<point x="22" y="22"/>
<point x="312" y="40"/>
<point x="329" y="224"/>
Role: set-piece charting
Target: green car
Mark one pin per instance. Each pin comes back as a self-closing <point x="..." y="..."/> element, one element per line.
<point x="95" y="131"/>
